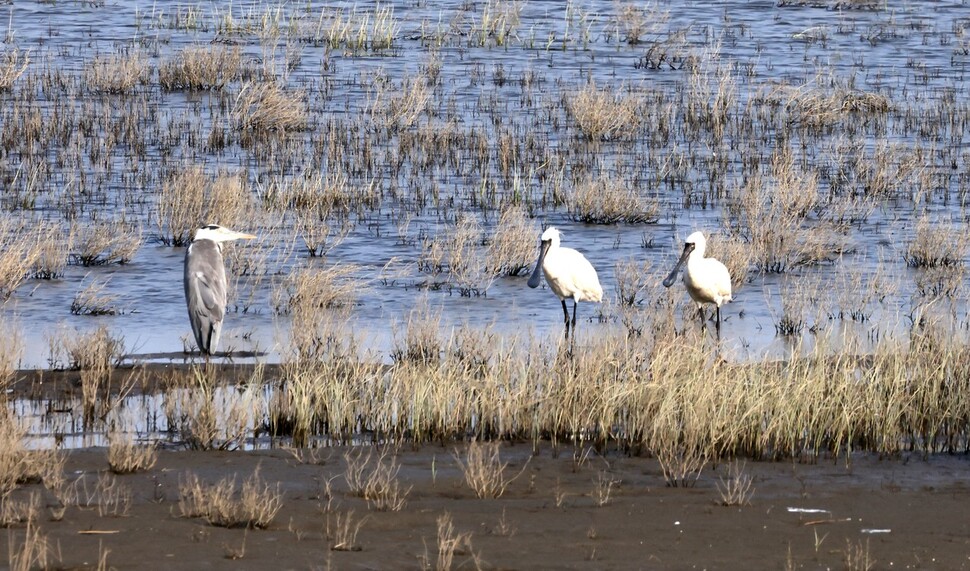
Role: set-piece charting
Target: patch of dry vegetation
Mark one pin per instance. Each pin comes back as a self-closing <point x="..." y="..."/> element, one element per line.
<point x="104" y="242"/>
<point x="605" y="200"/>
<point x="512" y="249"/>
<point x="601" y="114"/>
<point x="265" y="108"/>
<point x="13" y="65"/>
<point x="189" y="199"/>
<point x="376" y="482"/>
<point x="202" y="68"/>
<point x="224" y="504"/>
<point x="120" y="73"/>
<point x="127" y="457"/>
<point x="19" y="252"/>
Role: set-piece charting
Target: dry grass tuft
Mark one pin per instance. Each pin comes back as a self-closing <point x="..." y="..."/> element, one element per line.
<point x="306" y="291"/>
<point x="407" y="104"/>
<point x="636" y="20"/>
<point x="97" y="350"/>
<point x="936" y="246"/>
<point x="378" y="484"/>
<point x="10" y="356"/>
<point x="19" y="466"/>
<point x="466" y="264"/>
<point x="92" y="300"/>
<point x="202" y="68"/>
<point x="608" y="201"/>
<point x="95" y="354"/>
<point x="35" y="552"/>
<point x="222" y="504"/>
<point x="818" y="107"/>
<point x="264" y="108"/>
<point x="126" y="457"/>
<point x="181" y="203"/>
<point x="207" y="418"/>
<point x="632" y="279"/>
<point x="117" y="74"/>
<point x="52" y="243"/>
<point x="422" y="343"/>
<point x="189" y="198"/>
<point x="342" y="532"/>
<point x="513" y="246"/>
<point x="355" y="31"/>
<point x="450" y="543"/>
<point x="681" y="466"/>
<point x="13" y="64"/>
<point x="770" y="216"/>
<point x="484" y="471"/>
<point x="321" y="205"/>
<point x="604" y="115"/>
<point x="103" y="243"/>
<point x="738" y="488"/>
<point x="19" y="253"/>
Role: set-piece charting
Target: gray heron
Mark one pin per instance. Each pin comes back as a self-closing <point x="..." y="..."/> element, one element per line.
<point x="205" y="283"/>
<point x="568" y="273"/>
<point x="707" y="280"/>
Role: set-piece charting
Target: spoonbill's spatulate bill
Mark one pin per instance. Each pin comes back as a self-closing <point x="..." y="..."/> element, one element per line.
<point x="707" y="280"/>
<point x="205" y="283"/>
<point x="568" y="273"/>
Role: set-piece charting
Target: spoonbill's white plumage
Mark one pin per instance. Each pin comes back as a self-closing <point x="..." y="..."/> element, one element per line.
<point x="568" y="273"/>
<point x="707" y="280"/>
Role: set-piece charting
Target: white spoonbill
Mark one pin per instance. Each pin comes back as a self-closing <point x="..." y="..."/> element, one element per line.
<point x="204" y="281"/>
<point x="707" y="280"/>
<point x="568" y="273"/>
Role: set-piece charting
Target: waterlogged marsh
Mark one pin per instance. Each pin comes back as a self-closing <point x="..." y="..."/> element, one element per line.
<point x="400" y="157"/>
<point x="809" y="138"/>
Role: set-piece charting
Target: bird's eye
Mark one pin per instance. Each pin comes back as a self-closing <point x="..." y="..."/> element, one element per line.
<point x="212" y="227"/>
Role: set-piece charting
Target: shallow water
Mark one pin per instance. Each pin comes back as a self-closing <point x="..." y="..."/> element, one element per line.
<point x="907" y="51"/>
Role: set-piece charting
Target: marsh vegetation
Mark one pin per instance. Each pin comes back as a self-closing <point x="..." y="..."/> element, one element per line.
<point x="398" y="164"/>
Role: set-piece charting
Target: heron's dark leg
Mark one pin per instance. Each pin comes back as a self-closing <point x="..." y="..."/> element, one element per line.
<point x="717" y="324"/>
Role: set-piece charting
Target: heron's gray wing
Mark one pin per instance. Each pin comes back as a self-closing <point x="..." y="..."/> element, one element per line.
<point x="205" y="292"/>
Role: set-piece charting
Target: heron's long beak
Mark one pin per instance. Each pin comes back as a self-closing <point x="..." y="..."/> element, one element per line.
<point x="669" y="280"/>
<point x="534" y="280"/>
<point x="233" y="235"/>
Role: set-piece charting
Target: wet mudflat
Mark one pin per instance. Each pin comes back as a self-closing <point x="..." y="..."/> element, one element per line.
<point x="875" y="514"/>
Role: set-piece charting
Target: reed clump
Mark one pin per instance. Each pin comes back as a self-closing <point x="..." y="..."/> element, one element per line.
<point x="127" y="457"/>
<point x="13" y="65"/>
<point x="512" y="248"/>
<point x="771" y="217"/>
<point x="202" y="68"/>
<point x="120" y="73"/>
<point x="94" y="300"/>
<point x="104" y="242"/>
<point x="605" y="200"/>
<point x="376" y="482"/>
<point x="225" y="504"/>
<point x="265" y="108"/>
<point x="189" y="199"/>
<point x="936" y="245"/>
<point x="602" y="114"/>
<point x="19" y="252"/>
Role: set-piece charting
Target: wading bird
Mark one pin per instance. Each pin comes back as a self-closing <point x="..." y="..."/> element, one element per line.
<point x="568" y="273"/>
<point x="205" y="283"/>
<point x="706" y="279"/>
